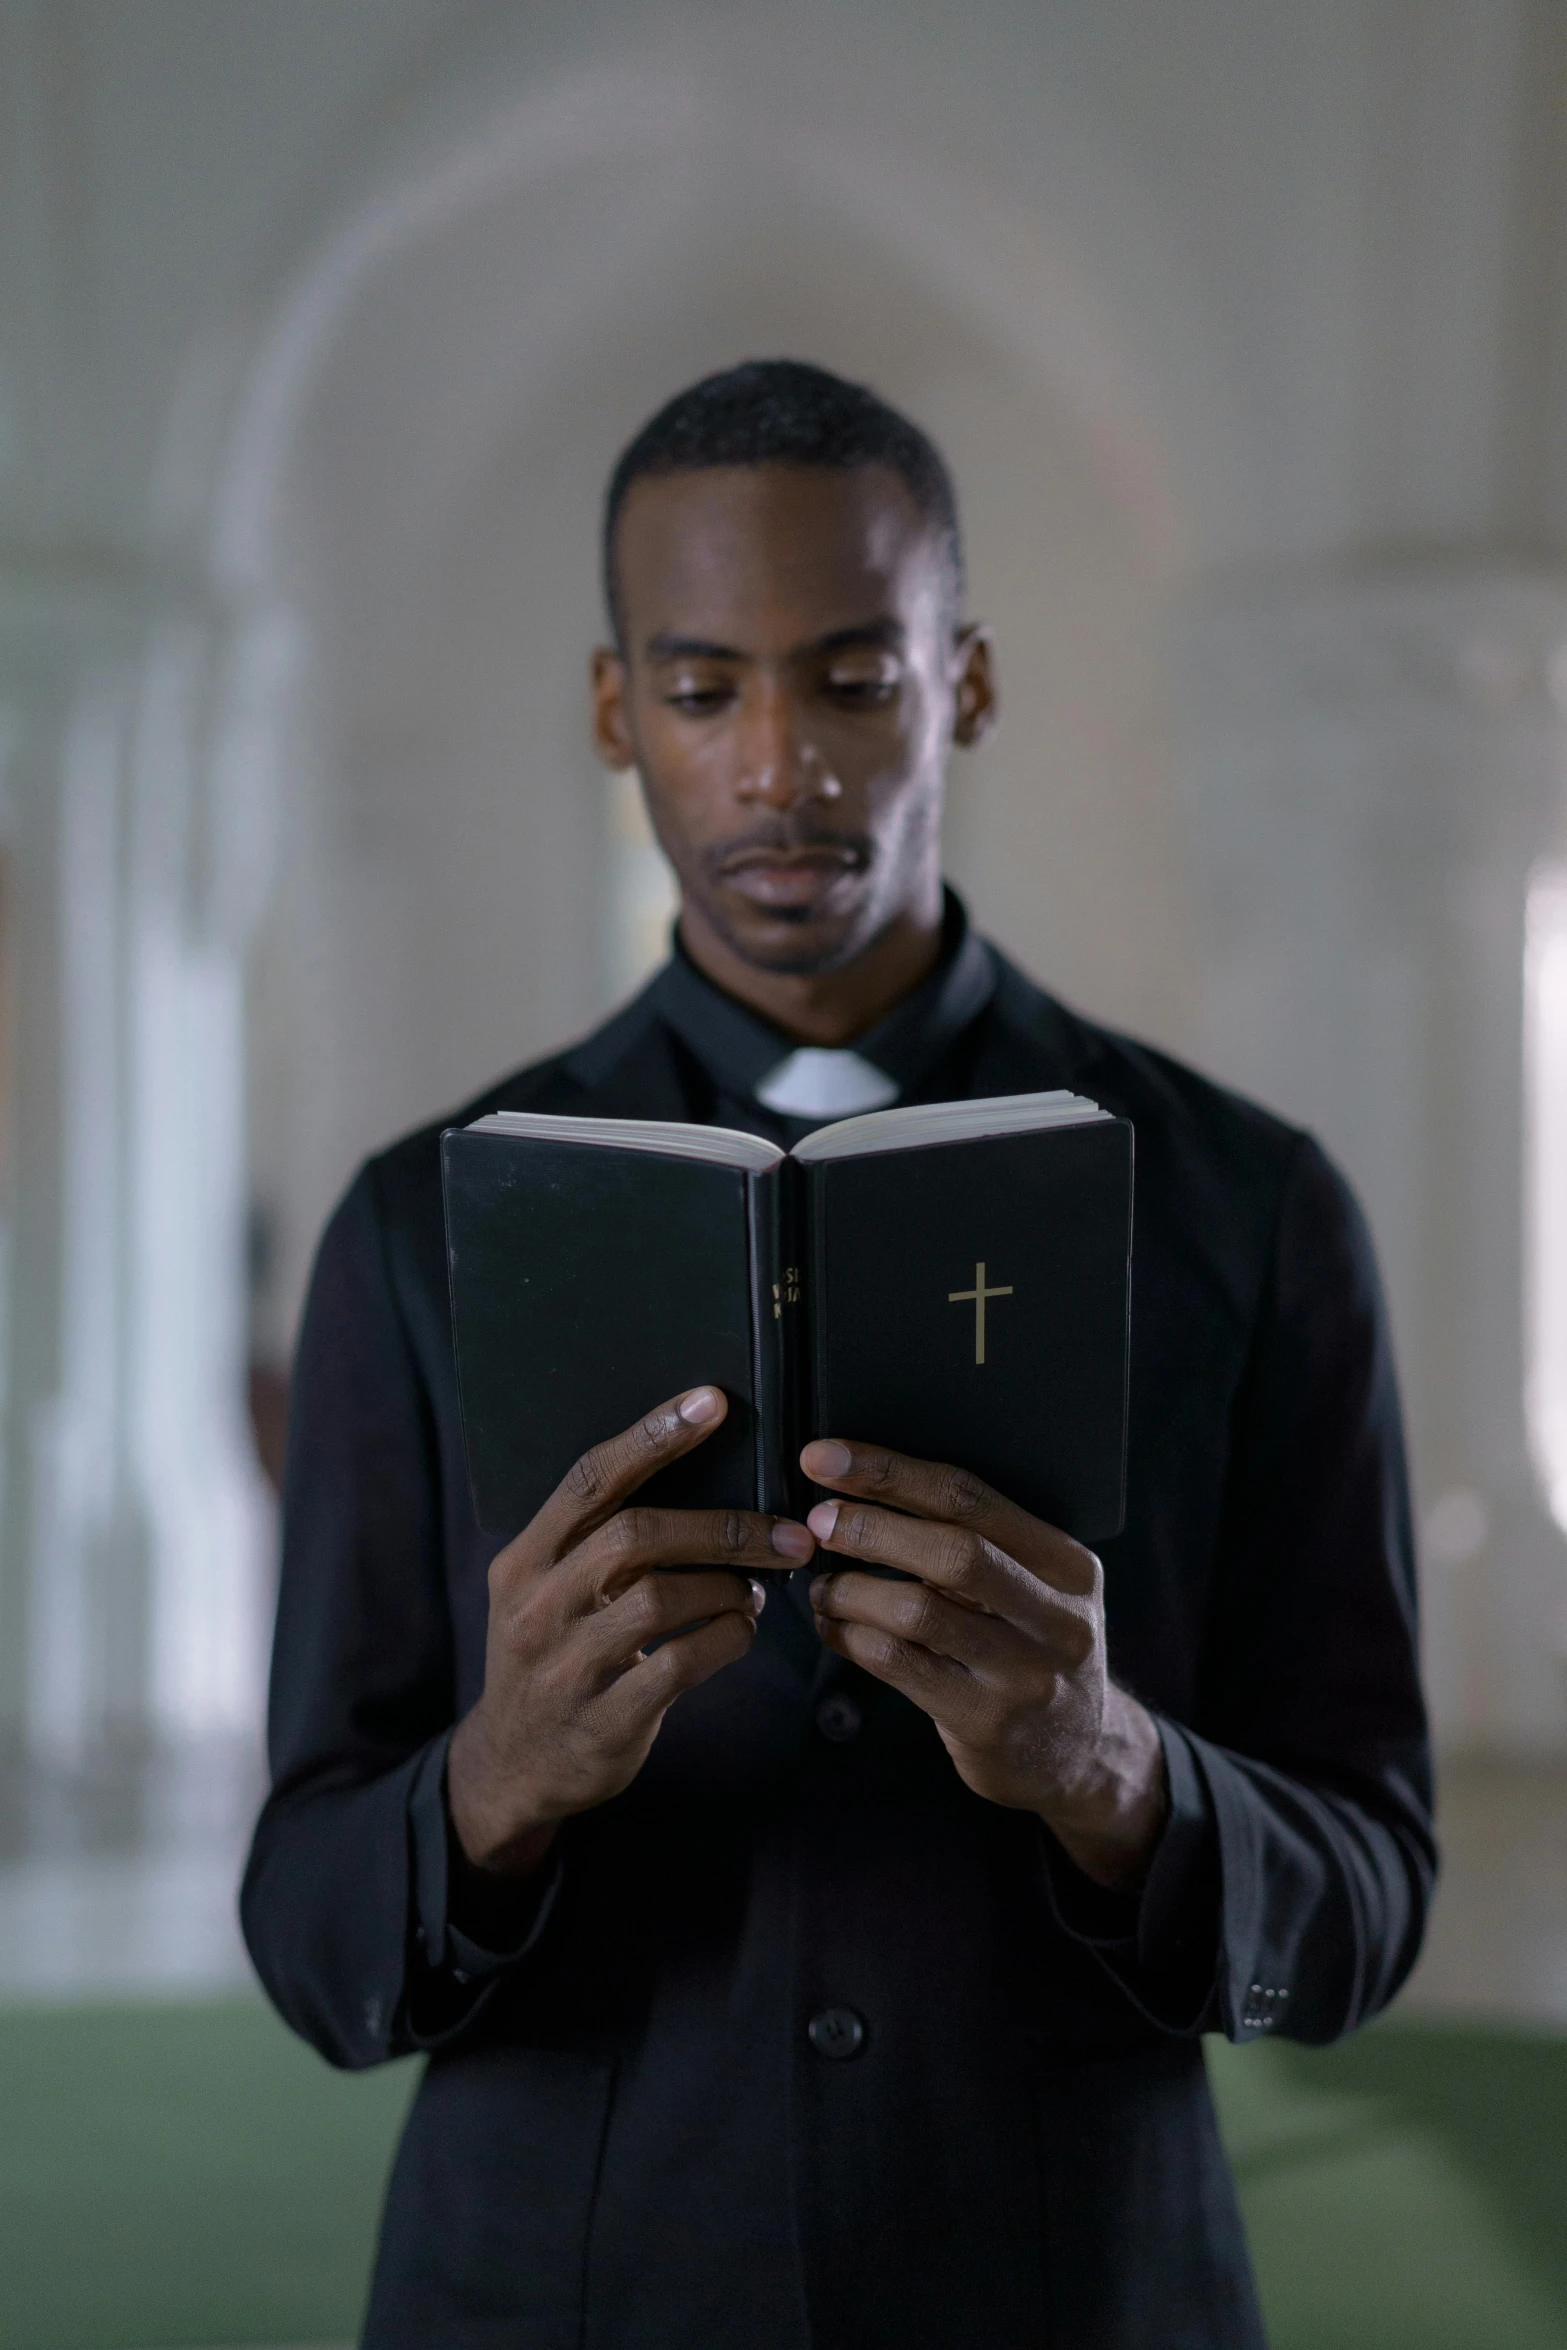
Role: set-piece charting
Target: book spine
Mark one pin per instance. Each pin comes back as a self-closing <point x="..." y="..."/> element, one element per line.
<point x="794" y="1329"/>
<point x="775" y="1293"/>
<point x="815" y="1388"/>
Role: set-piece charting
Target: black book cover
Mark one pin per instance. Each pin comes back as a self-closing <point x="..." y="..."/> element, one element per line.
<point x="963" y="1300"/>
<point x="969" y="1303"/>
<point x="587" y="1285"/>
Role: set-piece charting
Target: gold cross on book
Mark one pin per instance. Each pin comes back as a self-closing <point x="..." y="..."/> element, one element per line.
<point x="978" y="1295"/>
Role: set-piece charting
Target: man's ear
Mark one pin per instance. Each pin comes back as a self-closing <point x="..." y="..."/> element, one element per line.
<point x="611" y="721"/>
<point x="975" y="707"/>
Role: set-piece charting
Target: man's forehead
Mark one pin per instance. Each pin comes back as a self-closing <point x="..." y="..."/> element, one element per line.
<point x="828" y="547"/>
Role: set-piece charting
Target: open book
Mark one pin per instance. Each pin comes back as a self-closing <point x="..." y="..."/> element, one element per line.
<point x="950" y="1279"/>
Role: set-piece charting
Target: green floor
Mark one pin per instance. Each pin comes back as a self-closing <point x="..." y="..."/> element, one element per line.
<point x="191" y="2176"/>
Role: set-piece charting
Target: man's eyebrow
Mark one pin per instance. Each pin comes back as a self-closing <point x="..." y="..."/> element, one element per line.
<point x="690" y="648"/>
<point x="888" y="634"/>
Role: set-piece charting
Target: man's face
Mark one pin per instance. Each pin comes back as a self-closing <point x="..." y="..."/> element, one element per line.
<point x="788" y="688"/>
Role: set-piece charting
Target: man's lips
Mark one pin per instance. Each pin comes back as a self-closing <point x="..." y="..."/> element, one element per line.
<point x="789" y="877"/>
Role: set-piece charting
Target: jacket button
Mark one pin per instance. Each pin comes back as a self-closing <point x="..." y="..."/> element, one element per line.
<point x="837" y="2033"/>
<point x="838" y="1718"/>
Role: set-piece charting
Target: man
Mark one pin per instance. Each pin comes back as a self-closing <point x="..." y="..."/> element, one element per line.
<point x="831" y="1972"/>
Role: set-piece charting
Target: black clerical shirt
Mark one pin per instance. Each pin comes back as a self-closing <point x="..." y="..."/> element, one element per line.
<point x="798" y="2041"/>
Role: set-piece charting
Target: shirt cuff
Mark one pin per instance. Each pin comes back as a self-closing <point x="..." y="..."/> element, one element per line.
<point x="1161" y="1943"/>
<point x="444" y="1947"/>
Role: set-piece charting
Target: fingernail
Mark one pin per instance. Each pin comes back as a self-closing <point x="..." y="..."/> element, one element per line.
<point x="818" y="1590"/>
<point x="703" y="1403"/>
<point x="759" y="1592"/>
<point x="823" y="1519"/>
<point x="792" y="1541"/>
<point x="825" y="1460"/>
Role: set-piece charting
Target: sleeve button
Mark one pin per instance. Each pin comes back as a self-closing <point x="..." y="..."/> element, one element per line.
<point x="836" y="2033"/>
<point x="838" y="1718"/>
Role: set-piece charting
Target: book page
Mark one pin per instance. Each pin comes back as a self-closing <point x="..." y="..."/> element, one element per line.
<point x="929" y="1122"/>
<point x="721" y="1146"/>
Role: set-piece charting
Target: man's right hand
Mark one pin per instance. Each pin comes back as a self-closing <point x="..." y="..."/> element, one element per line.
<point x="572" y="1700"/>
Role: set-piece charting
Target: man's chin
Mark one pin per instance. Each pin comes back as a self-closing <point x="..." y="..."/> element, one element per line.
<point x="795" y="942"/>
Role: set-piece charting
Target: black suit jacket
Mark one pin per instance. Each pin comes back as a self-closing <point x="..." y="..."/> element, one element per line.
<point x="625" y="2135"/>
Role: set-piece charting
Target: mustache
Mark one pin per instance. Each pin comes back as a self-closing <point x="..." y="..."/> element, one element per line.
<point x="777" y="837"/>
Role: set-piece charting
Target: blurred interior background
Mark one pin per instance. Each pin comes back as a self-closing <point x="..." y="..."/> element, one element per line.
<point x="1244" y="325"/>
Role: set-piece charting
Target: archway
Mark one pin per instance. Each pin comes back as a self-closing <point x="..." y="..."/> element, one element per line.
<point x="429" y="522"/>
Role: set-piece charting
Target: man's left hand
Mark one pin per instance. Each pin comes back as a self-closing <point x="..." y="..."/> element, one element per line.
<point x="1001" y="1641"/>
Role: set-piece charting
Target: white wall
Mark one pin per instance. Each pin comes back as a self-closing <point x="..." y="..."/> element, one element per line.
<point x="319" y="324"/>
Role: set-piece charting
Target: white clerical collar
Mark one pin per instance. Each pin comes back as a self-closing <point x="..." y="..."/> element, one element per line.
<point x="812" y="1083"/>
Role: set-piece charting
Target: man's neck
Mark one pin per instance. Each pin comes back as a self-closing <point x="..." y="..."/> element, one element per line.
<point x="822" y="1007"/>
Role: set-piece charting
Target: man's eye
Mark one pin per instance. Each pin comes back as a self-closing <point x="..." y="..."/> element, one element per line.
<point x="698" y="701"/>
<point x="862" y="692"/>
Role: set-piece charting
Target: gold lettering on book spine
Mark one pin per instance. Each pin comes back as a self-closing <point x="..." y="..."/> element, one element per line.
<point x="786" y="1292"/>
<point x="977" y="1297"/>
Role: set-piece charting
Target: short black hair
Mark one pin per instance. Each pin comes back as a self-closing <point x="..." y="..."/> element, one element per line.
<point x="786" y="412"/>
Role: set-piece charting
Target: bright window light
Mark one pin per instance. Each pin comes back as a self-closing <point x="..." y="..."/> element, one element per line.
<point x="1545" y="1082"/>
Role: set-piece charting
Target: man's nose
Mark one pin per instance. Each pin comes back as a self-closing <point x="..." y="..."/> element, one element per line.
<point x="779" y="764"/>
